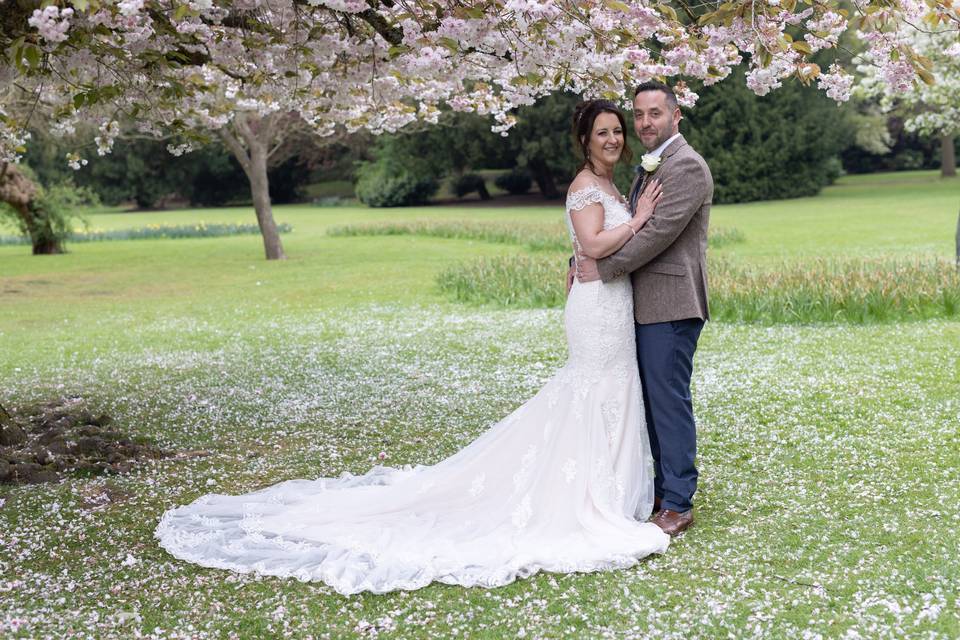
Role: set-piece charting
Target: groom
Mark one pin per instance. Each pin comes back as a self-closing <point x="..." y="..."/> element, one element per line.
<point x="666" y="261"/>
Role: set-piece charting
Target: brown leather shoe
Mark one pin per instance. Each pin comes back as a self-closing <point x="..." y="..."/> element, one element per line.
<point x="673" y="523"/>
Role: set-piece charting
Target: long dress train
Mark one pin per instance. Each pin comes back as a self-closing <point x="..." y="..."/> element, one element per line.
<point x="564" y="483"/>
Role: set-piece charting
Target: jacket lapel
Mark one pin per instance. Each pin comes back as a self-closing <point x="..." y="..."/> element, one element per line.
<point x="671" y="149"/>
<point x="641" y="180"/>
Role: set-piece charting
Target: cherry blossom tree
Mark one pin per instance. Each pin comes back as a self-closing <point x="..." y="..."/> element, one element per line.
<point x="198" y="68"/>
<point x="933" y="108"/>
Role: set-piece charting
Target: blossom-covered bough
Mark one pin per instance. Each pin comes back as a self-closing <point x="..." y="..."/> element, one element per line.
<point x="253" y="71"/>
<point x="933" y="108"/>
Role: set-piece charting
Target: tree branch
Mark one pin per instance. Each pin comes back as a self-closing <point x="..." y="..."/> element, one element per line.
<point x="236" y="147"/>
<point x="391" y="33"/>
<point x="687" y="10"/>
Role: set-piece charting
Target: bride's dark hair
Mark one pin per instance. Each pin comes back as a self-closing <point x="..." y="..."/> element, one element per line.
<point x="583" y="118"/>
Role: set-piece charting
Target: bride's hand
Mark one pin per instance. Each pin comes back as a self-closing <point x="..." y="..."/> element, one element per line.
<point x="646" y="203"/>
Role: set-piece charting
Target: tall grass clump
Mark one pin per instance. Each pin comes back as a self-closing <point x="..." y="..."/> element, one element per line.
<point x="511" y="281"/>
<point x="723" y="236"/>
<point x="858" y="291"/>
<point x="813" y="291"/>
<point x="155" y="231"/>
<point x="535" y="237"/>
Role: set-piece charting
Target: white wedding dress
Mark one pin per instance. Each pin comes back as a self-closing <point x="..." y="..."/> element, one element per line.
<point x="564" y="483"/>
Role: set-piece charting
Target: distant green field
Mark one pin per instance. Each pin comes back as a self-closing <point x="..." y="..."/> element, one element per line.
<point x="873" y="214"/>
<point x="889" y="214"/>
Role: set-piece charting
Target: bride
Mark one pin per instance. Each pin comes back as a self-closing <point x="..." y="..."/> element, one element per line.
<point x="564" y="483"/>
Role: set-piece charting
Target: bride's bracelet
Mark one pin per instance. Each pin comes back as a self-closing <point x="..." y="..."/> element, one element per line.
<point x="632" y="230"/>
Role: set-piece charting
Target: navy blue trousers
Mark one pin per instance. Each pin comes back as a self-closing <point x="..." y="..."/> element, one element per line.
<point x="665" y="356"/>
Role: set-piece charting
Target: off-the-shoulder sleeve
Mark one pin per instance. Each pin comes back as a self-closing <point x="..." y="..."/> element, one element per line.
<point x="580" y="199"/>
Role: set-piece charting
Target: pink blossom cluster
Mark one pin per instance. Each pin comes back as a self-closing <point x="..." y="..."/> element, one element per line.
<point x="837" y="83"/>
<point x="75" y="162"/>
<point x="762" y="80"/>
<point x="931" y="109"/>
<point x="130" y="7"/>
<point x="898" y="74"/>
<point x="51" y="22"/>
<point x="346" y="6"/>
<point x="825" y="31"/>
<point x="108" y="133"/>
<point x="179" y="149"/>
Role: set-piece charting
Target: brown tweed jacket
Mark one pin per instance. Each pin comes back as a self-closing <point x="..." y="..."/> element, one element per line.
<point x="667" y="259"/>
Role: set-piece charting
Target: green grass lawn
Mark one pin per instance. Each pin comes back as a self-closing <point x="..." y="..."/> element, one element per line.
<point x="828" y="504"/>
<point x="878" y="214"/>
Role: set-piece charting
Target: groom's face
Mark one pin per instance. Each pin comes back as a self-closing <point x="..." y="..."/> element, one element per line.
<point x="654" y="118"/>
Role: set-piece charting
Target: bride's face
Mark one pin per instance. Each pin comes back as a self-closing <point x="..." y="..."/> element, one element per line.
<point x="606" y="140"/>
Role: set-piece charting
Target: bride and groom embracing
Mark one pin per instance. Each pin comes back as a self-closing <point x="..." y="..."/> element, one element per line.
<point x="567" y="481"/>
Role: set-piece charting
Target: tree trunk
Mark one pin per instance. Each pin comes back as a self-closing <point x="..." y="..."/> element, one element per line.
<point x="948" y="157"/>
<point x="260" y="190"/>
<point x="18" y="191"/>
<point x="482" y="190"/>
<point x="252" y="155"/>
<point x="46" y="245"/>
<point x="544" y="179"/>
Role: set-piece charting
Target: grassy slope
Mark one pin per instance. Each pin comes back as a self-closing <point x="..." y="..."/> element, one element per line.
<point x="828" y="455"/>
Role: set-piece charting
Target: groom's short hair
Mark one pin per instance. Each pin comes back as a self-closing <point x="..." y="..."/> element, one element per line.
<point x="653" y="85"/>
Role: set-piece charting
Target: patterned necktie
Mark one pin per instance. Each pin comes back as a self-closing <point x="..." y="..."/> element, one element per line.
<point x="637" y="188"/>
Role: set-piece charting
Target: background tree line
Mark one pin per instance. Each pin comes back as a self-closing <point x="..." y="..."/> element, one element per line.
<point x="789" y="143"/>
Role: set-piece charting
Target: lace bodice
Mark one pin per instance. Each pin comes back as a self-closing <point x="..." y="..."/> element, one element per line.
<point x="615" y="212"/>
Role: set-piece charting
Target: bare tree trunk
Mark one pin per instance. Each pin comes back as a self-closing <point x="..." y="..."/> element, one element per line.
<point x="482" y="190"/>
<point x="250" y="146"/>
<point x="47" y="246"/>
<point x="543" y="176"/>
<point x="948" y="156"/>
<point x="18" y="191"/>
<point x="260" y="190"/>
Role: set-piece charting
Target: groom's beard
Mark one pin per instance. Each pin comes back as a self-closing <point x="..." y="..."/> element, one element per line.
<point x="662" y="136"/>
<point x="659" y="140"/>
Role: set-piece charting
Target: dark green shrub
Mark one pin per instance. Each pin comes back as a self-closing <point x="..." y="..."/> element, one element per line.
<point x="514" y="182"/>
<point x="379" y="187"/>
<point x="470" y="182"/>
<point x="781" y="145"/>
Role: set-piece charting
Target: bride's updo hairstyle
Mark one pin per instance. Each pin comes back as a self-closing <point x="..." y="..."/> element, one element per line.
<point x="583" y="118"/>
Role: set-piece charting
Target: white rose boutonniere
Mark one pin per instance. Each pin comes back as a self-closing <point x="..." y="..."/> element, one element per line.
<point x="649" y="162"/>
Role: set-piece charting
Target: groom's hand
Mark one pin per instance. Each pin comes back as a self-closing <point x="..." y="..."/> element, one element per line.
<point x="571" y="274"/>
<point x="588" y="270"/>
